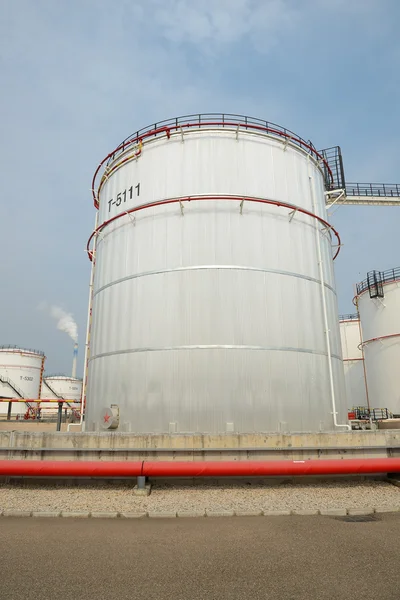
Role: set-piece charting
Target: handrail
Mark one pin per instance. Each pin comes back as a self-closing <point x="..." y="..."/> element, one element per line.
<point x="352" y="317"/>
<point x="383" y="190"/>
<point x="12" y="385"/>
<point x="52" y="391"/>
<point x="39" y="400"/>
<point x="20" y="349"/>
<point x="239" y="199"/>
<point x="17" y="390"/>
<point x="388" y="276"/>
<point x="59" y="397"/>
<point x="209" y="120"/>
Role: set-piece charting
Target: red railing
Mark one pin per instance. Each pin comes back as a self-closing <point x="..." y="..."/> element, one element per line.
<point x="208" y="120"/>
<point x="239" y="199"/>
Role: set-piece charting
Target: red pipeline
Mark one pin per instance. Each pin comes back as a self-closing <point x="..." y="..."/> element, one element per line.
<point x="250" y="468"/>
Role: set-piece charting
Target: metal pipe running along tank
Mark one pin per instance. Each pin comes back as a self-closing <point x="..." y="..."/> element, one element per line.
<point x="214" y="306"/>
<point x="245" y="468"/>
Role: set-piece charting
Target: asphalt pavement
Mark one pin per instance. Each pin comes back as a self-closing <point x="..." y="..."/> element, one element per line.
<point x="269" y="558"/>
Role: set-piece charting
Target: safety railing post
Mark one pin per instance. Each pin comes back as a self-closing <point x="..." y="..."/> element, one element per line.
<point x="59" y="416"/>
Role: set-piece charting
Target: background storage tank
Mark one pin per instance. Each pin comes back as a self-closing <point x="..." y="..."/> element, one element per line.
<point x="214" y="305"/>
<point x="353" y="361"/>
<point x="61" y="386"/>
<point x="378" y="300"/>
<point x="20" y="376"/>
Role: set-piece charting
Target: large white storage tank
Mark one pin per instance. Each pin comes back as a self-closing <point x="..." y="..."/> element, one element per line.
<point x="214" y="305"/>
<point x="60" y="386"/>
<point x="353" y="361"/>
<point x="378" y="300"/>
<point x="21" y="371"/>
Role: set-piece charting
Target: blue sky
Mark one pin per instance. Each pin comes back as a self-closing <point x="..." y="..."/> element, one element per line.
<point x="79" y="76"/>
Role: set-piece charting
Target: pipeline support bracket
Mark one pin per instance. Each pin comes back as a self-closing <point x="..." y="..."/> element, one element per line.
<point x="142" y="488"/>
<point x="286" y="142"/>
<point x="131" y="218"/>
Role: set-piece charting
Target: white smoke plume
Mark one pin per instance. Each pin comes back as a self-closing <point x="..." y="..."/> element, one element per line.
<point x="65" y="320"/>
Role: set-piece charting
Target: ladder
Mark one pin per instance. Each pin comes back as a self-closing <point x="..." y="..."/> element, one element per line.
<point x="17" y="390"/>
<point x="75" y="412"/>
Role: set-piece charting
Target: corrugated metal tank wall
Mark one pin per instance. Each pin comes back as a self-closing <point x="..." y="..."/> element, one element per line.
<point x="353" y="362"/>
<point x="206" y="317"/>
<point x="380" y="322"/>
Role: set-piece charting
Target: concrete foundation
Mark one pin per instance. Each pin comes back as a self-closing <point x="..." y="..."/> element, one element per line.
<point x="389" y="424"/>
<point x="229" y="446"/>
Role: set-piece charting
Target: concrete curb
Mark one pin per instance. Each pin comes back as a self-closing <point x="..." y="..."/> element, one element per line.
<point x="220" y="513"/>
<point x="276" y="513"/>
<point x="386" y="509"/>
<point x="325" y="512"/>
<point x="161" y="515"/>
<point x="333" y="512"/>
<point x="248" y="513"/>
<point x="191" y="513"/>
<point x="305" y="513"/>
<point x="16" y="513"/>
<point x="75" y="515"/>
<point x="360" y="511"/>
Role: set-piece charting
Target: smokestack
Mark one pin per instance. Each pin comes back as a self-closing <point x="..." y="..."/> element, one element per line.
<point x="74" y="360"/>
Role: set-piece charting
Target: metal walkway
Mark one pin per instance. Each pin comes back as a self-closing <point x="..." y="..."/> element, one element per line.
<point x="338" y="191"/>
<point x="373" y="194"/>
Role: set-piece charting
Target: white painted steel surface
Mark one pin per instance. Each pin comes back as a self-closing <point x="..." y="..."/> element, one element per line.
<point x="61" y="386"/>
<point x="22" y="368"/>
<point x="380" y="317"/>
<point x="353" y="363"/>
<point x="212" y="320"/>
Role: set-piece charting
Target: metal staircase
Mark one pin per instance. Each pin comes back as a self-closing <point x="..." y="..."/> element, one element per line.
<point x="16" y="389"/>
<point x="340" y="192"/>
<point x="73" y="409"/>
<point x="53" y="390"/>
<point x="12" y="385"/>
<point x="375" y="280"/>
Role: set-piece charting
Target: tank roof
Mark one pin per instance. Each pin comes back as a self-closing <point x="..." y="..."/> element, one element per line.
<point x="352" y="317"/>
<point x="12" y="348"/>
<point x="61" y="376"/>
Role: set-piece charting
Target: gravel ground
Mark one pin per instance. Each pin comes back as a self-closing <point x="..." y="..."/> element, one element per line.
<point x="238" y="496"/>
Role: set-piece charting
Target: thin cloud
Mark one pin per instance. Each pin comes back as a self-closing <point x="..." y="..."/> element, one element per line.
<point x="78" y="77"/>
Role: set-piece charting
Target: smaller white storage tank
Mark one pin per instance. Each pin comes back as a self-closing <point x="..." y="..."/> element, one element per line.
<point x="21" y="371"/>
<point x="353" y="360"/>
<point x="63" y="387"/>
<point x="378" y="301"/>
